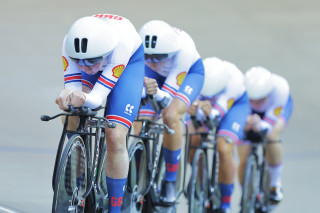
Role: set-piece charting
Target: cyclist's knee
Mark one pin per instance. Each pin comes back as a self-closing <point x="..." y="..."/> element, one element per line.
<point x="224" y="148"/>
<point x="116" y="139"/>
<point x="171" y="118"/>
<point x="73" y="122"/>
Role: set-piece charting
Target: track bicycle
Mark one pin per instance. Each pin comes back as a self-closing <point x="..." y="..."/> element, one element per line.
<point x="203" y="190"/>
<point x="79" y="169"/>
<point x="255" y="191"/>
<point x="146" y="177"/>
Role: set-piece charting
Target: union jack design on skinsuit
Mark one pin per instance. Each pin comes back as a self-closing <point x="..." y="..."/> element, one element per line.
<point x="72" y="78"/>
<point x="106" y="82"/>
<point x="119" y="119"/>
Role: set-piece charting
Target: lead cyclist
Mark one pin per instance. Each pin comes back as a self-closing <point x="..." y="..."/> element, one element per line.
<point x="103" y="61"/>
<point x="174" y="71"/>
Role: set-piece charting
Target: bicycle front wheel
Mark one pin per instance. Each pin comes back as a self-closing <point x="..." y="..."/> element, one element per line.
<point x="264" y="190"/>
<point x="250" y="185"/>
<point x="198" y="185"/>
<point x="137" y="178"/>
<point x="71" y="182"/>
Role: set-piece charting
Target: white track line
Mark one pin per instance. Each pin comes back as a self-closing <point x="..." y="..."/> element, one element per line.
<point x="6" y="210"/>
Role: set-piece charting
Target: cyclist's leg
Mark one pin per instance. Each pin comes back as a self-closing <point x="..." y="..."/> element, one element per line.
<point x="243" y="148"/>
<point x="122" y="107"/>
<point x="230" y="131"/>
<point x="274" y="152"/>
<point x="187" y="93"/>
<point x="195" y="140"/>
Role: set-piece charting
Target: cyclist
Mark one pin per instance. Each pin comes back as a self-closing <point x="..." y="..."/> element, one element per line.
<point x="223" y="99"/>
<point x="103" y="60"/>
<point x="174" y="72"/>
<point x="271" y="107"/>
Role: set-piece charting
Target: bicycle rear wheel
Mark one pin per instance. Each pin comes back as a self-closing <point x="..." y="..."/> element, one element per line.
<point x="71" y="181"/>
<point x="198" y="188"/>
<point x="250" y="185"/>
<point x="137" y="178"/>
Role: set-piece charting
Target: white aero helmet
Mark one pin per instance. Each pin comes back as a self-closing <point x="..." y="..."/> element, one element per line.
<point x="258" y="82"/>
<point x="216" y="76"/>
<point x="159" y="38"/>
<point x="90" y="37"/>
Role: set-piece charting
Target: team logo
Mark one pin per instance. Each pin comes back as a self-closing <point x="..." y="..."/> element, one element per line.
<point x="117" y="71"/>
<point x="65" y="63"/>
<point x="188" y="90"/>
<point x="230" y="103"/>
<point x="277" y="111"/>
<point x="129" y="109"/>
<point x="181" y="77"/>
<point x="235" y="126"/>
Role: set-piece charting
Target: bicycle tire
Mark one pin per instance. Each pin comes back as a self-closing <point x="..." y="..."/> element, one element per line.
<point x="250" y="185"/>
<point x="215" y="194"/>
<point x="199" y="184"/>
<point x="137" y="178"/>
<point x="264" y="188"/>
<point x="72" y="178"/>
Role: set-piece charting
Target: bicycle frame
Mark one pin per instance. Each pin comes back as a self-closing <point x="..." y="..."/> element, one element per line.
<point x="206" y="145"/>
<point x="261" y="163"/>
<point x="87" y="123"/>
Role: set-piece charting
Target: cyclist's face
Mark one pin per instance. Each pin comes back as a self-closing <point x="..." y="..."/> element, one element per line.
<point x="91" y="70"/>
<point x="258" y="104"/>
<point x="156" y="65"/>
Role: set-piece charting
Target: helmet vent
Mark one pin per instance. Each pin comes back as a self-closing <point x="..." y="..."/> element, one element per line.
<point x="76" y="45"/>
<point x="84" y="44"/>
<point x="154" y="41"/>
<point x="147" y="41"/>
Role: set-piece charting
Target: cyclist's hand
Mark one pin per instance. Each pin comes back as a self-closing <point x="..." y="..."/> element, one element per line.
<point x="63" y="99"/>
<point x="253" y="123"/>
<point x="193" y="108"/>
<point x="151" y="85"/>
<point x="206" y="107"/>
<point x="77" y="98"/>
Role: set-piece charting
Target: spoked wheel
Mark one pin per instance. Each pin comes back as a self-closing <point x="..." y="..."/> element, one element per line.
<point x="71" y="182"/>
<point x="137" y="178"/>
<point x="198" y="185"/>
<point x="250" y="186"/>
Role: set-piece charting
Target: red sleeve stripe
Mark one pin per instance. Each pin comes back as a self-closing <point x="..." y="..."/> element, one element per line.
<point x="87" y="83"/>
<point x="71" y="78"/>
<point x="105" y="82"/>
<point x="169" y="90"/>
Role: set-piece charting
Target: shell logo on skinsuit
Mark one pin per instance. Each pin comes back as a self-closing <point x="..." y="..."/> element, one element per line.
<point x="65" y="63"/>
<point x="117" y="71"/>
<point x="181" y="77"/>
<point x="230" y="102"/>
<point x="277" y="111"/>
